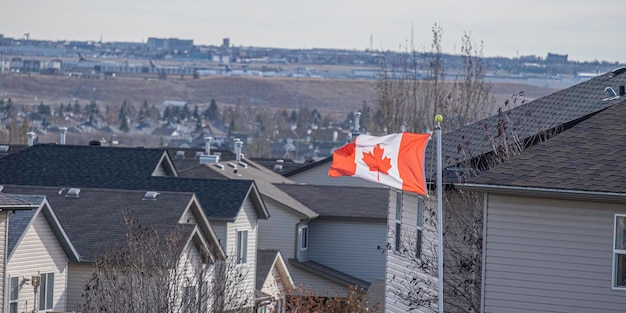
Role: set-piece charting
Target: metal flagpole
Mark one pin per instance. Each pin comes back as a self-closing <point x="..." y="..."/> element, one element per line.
<point x="438" y="120"/>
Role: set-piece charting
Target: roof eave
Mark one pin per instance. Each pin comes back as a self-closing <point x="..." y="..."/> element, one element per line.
<point x="552" y="193"/>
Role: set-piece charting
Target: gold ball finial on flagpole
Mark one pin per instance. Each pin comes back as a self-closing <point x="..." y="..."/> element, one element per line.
<point x="438" y="118"/>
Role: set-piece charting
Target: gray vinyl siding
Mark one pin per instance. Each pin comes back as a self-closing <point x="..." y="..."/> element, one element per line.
<point x="550" y="256"/>
<point x="399" y="270"/>
<point x="302" y="254"/>
<point x="349" y="247"/>
<point x="279" y="231"/>
<point x="319" y="176"/>
<point x="3" y="241"/>
<point x="39" y="252"/>
<point x="219" y="227"/>
<point x="78" y="275"/>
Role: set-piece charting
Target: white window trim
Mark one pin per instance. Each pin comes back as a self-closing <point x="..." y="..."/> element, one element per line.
<point x="41" y="291"/>
<point x="242" y="254"/>
<point x="17" y="296"/>
<point x="304" y="242"/>
<point x="614" y="256"/>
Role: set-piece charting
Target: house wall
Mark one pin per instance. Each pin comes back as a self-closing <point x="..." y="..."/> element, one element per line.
<point x="302" y="254"/>
<point x="278" y="231"/>
<point x="246" y="220"/>
<point x="319" y="176"/>
<point x="546" y="255"/>
<point x="349" y="247"/>
<point x="275" y="287"/>
<point x="78" y="275"/>
<point x="3" y="242"/>
<point x="220" y="227"/>
<point x="37" y="253"/>
<point x="400" y="269"/>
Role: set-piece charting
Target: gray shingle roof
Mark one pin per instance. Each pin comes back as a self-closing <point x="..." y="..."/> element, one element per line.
<point x="94" y="219"/>
<point x="341" y="202"/>
<point x="563" y="108"/>
<point x="19" y="221"/>
<point x="587" y="157"/>
<point x="264" y="261"/>
<point x="117" y="168"/>
<point x="9" y="201"/>
<point x="52" y="164"/>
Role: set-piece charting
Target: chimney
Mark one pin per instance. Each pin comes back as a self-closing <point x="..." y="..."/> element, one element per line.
<point x="357" y="120"/>
<point x="238" y="145"/>
<point x="31" y="138"/>
<point x="622" y="90"/>
<point x="207" y="145"/>
<point x="63" y="131"/>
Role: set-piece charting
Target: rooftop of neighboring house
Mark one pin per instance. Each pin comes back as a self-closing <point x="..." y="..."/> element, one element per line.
<point x="94" y="218"/>
<point x="589" y="157"/>
<point x="341" y="202"/>
<point x="20" y="220"/>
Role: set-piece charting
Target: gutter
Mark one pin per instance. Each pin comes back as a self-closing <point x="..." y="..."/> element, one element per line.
<point x="553" y="193"/>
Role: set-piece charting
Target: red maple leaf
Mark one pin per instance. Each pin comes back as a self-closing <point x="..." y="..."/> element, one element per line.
<point x="376" y="161"/>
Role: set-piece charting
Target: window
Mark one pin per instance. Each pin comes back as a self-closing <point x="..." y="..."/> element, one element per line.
<point x="619" y="252"/>
<point x="419" y="227"/>
<point x="398" y="219"/>
<point x="46" y="291"/>
<point x="242" y="247"/>
<point x="14" y="293"/>
<point x="304" y="237"/>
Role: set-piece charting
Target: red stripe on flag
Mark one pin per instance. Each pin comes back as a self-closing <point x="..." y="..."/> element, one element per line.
<point x="343" y="161"/>
<point x="411" y="155"/>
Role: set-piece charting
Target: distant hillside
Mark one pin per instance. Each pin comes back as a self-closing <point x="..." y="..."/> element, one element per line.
<point x="336" y="97"/>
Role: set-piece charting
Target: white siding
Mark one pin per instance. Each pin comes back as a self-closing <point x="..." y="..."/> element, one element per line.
<point x="275" y="287"/>
<point x="349" y="247"/>
<point x="399" y="269"/>
<point x="549" y="256"/>
<point x="319" y="176"/>
<point x="278" y="231"/>
<point x="77" y="279"/>
<point x="40" y="252"/>
<point x="246" y="220"/>
<point x="3" y="241"/>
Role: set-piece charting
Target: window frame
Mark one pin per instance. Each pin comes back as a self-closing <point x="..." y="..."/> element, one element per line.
<point x="303" y="237"/>
<point x="46" y="291"/>
<point x="14" y="294"/>
<point x="398" y="220"/>
<point x="242" y="246"/>
<point x="419" y="227"/>
<point x="617" y="252"/>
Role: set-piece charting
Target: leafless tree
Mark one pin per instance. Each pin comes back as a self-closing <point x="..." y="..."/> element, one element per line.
<point x="355" y="301"/>
<point x="154" y="271"/>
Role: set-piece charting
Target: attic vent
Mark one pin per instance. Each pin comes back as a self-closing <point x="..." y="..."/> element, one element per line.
<point x="180" y="154"/>
<point x="619" y="70"/>
<point x="278" y="168"/>
<point x="1" y="187"/>
<point x="220" y="166"/>
<point x="280" y="161"/>
<point x="151" y="195"/>
<point x="4" y="148"/>
<point x="244" y="165"/>
<point x="73" y="192"/>
<point x="233" y="165"/>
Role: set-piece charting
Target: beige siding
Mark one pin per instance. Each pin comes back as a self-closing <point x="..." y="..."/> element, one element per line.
<point x="275" y="287"/>
<point x="246" y="220"/>
<point x="399" y="269"/>
<point x="77" y="278"/>
<point x="319" y="176"/>
<point x="39" y="252"/>
<point x="549" y="256"/>
<point x="279" y="231"/>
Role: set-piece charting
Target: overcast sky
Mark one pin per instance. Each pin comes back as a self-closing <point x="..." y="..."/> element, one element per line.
<point x="586" y="30"/>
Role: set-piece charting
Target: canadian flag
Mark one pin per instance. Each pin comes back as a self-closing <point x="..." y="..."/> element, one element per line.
<point x="395" y="160"/>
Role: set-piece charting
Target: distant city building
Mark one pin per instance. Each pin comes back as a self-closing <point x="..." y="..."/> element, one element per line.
<point x="170" y="44"/>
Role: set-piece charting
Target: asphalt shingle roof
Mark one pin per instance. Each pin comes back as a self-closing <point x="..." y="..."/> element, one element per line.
<point x="117" y="168"/>
<point x="95" y="219"/>
<point x="560" y="109"/>
<point x="341" y="202"/>
<point x="20" y="220"/>
<point x="587" y="157"/>
<point x="264" y="261"/>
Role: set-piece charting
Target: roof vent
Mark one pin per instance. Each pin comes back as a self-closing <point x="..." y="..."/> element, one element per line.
<point x="73" y="192"/>
<point x="95" y="143"/>
<point x="180" y="154"/>
<point x="220" y="166"/>
<point x="4" y="148"/>
<point x="150" y="195"/>
<point x="1" y="187"/>
<point x="233" y="165"/>
<point x="278" y="168"/>
<point x="242" y="164"/>
<point x="611" y="94"/>
<point x="209" y="159"/>
<point x="622" y="90"/>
